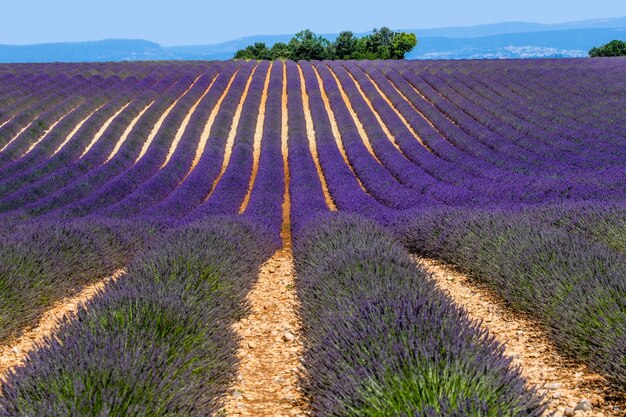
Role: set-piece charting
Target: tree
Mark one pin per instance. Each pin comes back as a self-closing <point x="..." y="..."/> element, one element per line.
<point x="306" y="45"/>
<point x="280" y="50"/>
<point x="613" y="48"/>
<point x="345" y="45"/>
<point x="257" y="51"/>
<point x="401" y="44"/>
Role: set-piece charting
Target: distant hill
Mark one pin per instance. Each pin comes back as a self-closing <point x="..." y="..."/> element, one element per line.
<point x="500" y="40"/>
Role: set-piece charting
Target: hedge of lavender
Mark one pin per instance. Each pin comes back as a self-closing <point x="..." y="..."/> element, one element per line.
<point x="42" y="262"/>
<point x="158" y="341"/>
<point x="543" y="262"/>
<point x="381" y="340"/>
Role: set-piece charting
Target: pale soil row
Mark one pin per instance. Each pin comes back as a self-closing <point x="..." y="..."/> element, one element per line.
<point x="104" y="127"/>
<point x="270" y="346"/>
<point x="230" y="141"/>
<point x="359" y="126"/>
<point x="310" y="133"/>
<point x="129" y="129"/>
<point x="7" y="121"/>
<point x="204" y="137"/>
<point x="335" y="128"/>
<point x="14" y="353"/>
<point x="258" y="136"/>
<point x="183" y="125"/>
<point x="17" y="135"/>
<point x="565" y="383"/>
<point x="43" y="135"/>
<point x="422" y="115"/>
<point x="46" y="132"/>
<point x="159" y="123"/>
<point x="73" y="132"/>
<point x="419" y="93"/>
<point x="382" y="124"/>
<point x="285" y="232"/>
<point x="400" y="116"/>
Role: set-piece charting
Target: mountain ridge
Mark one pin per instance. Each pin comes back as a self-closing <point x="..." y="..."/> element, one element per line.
<point x="496" y="40"/>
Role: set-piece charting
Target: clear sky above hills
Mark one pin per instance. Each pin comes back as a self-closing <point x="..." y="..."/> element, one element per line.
<point x="185" y="22"/>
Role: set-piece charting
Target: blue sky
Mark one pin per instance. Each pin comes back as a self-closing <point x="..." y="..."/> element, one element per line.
<point x="200" y="22"/>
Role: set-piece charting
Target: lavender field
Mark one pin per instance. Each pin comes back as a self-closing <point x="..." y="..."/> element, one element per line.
<point x="184" y="178"/>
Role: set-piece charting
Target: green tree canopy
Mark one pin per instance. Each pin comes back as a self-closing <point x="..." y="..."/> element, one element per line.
<point x="613" y="48"/>
<point x="382" y="43"/>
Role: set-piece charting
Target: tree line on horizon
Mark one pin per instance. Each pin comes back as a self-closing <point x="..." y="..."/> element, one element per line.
<point x="613" y="48"/>
<point x="382" y="43"/>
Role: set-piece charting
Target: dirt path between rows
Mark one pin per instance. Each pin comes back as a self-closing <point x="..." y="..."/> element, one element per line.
<point x="567" y="385"/>
<point x="14" y="353"/>
<point x="270" y="346"/>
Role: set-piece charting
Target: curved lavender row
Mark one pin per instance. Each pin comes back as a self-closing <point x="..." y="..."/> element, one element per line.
<point x="25" y="94"/>
<point x="168" y="321"/>
<point x="447" y="177"/>
<point x="568" y="128"/>
<point x="496" y="114"/>
<point x="231" y="189"/>
<point x="31" y="107"/>
<point x="43" y="262"/>
<point x="575" y="287"/>
<point x="160" y="185"/>
<point x="375" y="177"/>
<point x="46" y="112"/>
<point x="396" y="161"/>
<point x="305" y="187"/>
<point x="381" y="340"/>
<point x="57" y="99"/>
<point x="82" y="186"/>
<point x="577" y="183"/>
<point x="143" y="167"/>
<point x="596" y="164"/>
<point x="122" y="94"/>
<point x="510" y="143"/>
<point x="197" y="185"/>
<point x="588" y="92"/>
<point x="342" y="184"/>
<point x="96" y="97"/>
<point x="266" y="198"/>
<point x="47" y="181"/>
<point x="442" y="132"/>
<point x="434" y="160"/>
<point x="465" y="132"/>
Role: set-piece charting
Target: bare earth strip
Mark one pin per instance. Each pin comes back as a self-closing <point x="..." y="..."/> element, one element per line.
<point x="270" y="346"/>
<point x="14" y="353"/>
<point x="17" y="135"/>
<point x="183" y="125"/>
<point x="565" y="383"/>
<point x="43" y="135"/>
<point x="103" y="129"/>
<point x="50" y="129"/>
<point x="73" y="132"/>
<point x="422" y="115"/>
<point x="204" y="138"/>
<point x="400" y="116"/>
<point x="359" y="126"/>
<point x="230" y="141"/>
<point x="127" y="131"/>
<point x="258" y="135"/>
<point x="333" y="126"/>
<point x="310" y="132"/>
<point x="159" y="123"/>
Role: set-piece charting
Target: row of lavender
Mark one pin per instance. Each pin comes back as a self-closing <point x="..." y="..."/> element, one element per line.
<point x="444" y="149"/>
<point x="156" y="341"/>
<point x="461" y="139"/>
